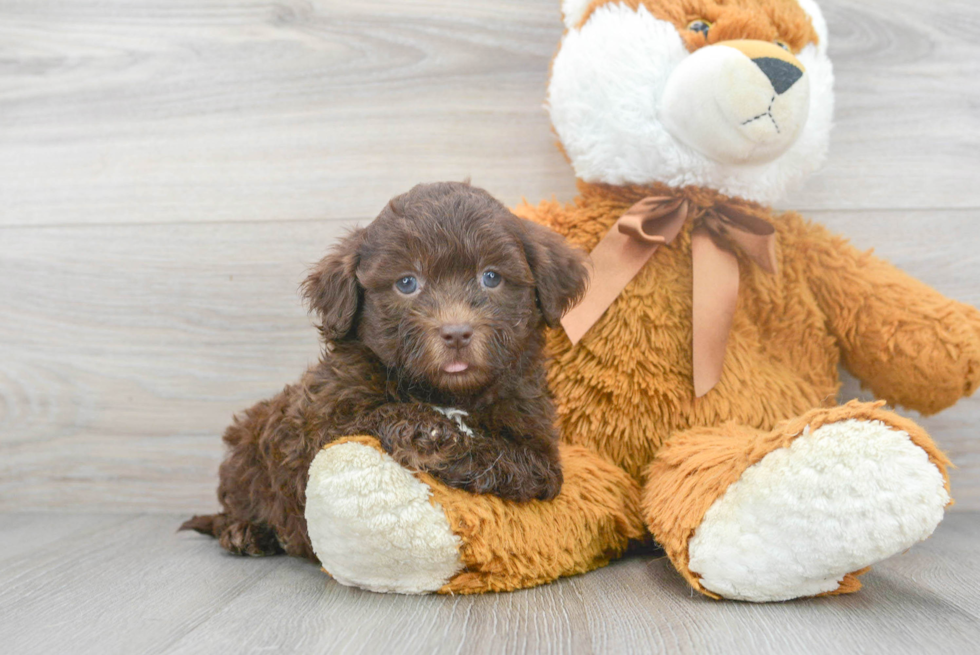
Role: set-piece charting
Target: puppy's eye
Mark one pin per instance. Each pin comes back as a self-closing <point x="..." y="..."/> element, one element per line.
<point x="491" y="279"/>
<point x="783" y="45"/>
<point x="407" y="285"/>
<point x="699" y="25"/>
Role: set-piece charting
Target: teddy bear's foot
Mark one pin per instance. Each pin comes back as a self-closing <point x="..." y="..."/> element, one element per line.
<point x="375" y="525"/>
<point x="795" y="512"/>
<point x="372" y="524"/>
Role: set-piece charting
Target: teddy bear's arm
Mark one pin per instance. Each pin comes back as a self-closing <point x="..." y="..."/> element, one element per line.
<point x="907" y="342"/>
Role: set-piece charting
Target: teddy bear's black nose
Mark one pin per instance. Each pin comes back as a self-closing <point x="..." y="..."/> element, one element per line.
<point x="781" y="73"/>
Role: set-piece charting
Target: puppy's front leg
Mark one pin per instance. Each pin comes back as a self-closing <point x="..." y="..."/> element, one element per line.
<point x="421" y="437"/>
<point x="417" y="436"/>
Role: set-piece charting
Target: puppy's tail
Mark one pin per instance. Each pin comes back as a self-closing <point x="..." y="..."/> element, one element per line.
<point x="210" y="524"/>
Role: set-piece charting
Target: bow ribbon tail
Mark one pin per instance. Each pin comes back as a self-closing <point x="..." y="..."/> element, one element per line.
<point x="715" y="297"/>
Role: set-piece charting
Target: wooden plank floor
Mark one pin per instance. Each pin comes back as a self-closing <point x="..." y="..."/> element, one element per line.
<point x="127" y="584"/>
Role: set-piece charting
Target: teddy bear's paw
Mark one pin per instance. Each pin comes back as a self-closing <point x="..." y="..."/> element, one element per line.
<point x="372" y="524"/>
<point x="836" y="500"/>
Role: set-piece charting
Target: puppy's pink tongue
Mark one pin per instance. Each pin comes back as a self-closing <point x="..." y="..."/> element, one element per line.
<point x="455" y="367"/>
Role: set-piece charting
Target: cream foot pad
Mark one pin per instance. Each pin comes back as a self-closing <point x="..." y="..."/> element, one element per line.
<point x="373" y="526"/>
<point x="834" y="501"/>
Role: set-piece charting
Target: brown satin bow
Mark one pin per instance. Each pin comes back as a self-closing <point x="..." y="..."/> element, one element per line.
<point x="656" y="220"/>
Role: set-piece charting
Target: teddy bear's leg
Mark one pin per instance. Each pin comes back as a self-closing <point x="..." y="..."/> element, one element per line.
<point x="798" y="511"/>
<point x="376" y="525"/>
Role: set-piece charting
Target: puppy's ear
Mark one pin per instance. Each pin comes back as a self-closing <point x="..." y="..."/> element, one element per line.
<point x="331" y="290"/>
<point x="559" y="271"/>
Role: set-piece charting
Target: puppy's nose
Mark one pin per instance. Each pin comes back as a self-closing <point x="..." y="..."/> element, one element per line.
<point x="782" y="74"/>
<point x="456" y="335"/>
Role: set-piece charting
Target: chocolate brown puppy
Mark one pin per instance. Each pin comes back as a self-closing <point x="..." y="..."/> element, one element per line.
<point x="433" y="322"/>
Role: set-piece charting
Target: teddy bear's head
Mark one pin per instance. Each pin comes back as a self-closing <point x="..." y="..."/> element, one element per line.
<point x="734" y="95"/>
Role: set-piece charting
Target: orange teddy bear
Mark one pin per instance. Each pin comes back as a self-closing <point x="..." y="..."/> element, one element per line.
<point x="697" y="402"/>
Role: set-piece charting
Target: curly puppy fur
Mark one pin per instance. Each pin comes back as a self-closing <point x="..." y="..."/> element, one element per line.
<point x="440" y="303"/>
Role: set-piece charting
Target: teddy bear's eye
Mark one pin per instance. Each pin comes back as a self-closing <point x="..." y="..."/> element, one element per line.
<point x="699" y="25"/>
<point x="783" y="45"/>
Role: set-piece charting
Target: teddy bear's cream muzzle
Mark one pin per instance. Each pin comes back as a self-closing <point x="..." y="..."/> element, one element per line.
<point x="737" y="102"/>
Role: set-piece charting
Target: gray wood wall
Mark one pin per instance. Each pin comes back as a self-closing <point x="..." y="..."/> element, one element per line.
<point x="168" y="169"/>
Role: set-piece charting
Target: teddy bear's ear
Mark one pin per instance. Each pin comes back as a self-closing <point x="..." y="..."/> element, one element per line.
<point x="572" y="11"/>
<point x="819" y="23"/>
<point x="331" y="290"/>
<point x="560" y="274"/>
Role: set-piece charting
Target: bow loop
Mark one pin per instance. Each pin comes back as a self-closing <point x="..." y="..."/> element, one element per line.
<point x="732" y="227"/>
<point x="654" y="220"/>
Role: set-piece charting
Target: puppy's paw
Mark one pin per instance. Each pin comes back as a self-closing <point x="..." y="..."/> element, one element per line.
<point x="434" y="438"/>
<point x="428" y="440"/>
<point x="518" y="478"/>
<point x="550" y="483"/>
